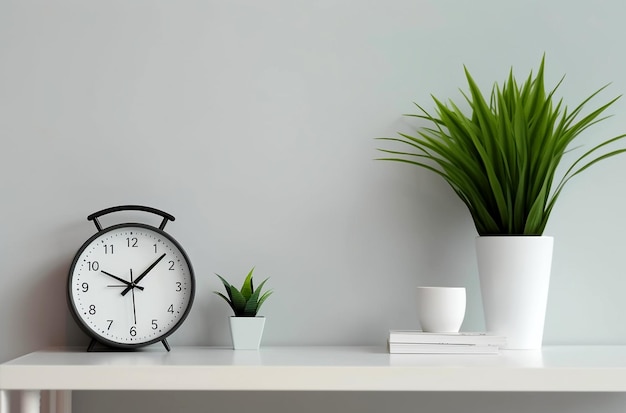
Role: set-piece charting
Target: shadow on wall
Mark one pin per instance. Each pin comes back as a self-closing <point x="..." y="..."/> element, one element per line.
<point x="45" y="315"/>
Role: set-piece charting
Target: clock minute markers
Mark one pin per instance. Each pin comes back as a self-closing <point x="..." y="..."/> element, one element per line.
<point x="141" y="277"/>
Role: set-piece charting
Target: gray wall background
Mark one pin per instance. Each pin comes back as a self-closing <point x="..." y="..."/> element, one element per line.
<point x="253" y="122"/>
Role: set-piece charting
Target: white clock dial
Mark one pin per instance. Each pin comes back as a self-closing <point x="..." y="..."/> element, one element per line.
<point x="131" y="285"/>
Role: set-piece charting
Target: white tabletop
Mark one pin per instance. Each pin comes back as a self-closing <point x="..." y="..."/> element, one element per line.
<point x="558" y="368"/>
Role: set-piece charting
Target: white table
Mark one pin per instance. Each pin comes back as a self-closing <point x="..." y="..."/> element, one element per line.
<point x="60" y="371"/>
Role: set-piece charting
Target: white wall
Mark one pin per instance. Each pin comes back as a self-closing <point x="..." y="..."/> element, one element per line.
<point x="253" y="122"/>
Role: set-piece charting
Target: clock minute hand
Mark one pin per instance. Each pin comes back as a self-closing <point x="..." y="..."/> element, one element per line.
<point x="120" y="279"/>
<point x="143" y="274"/>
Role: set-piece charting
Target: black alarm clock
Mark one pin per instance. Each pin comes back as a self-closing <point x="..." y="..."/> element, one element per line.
<point x="130" y="284"/>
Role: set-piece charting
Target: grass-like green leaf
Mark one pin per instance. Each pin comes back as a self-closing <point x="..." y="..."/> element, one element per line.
<point x="239" y="301"/>
<point x="263" y="298"/>
<point x="252" y="306"/>
<point x="230" y="303"/>
<point x="502" y="158"/>
<point x="247" y="288"/>
<point x="226" y="286"/>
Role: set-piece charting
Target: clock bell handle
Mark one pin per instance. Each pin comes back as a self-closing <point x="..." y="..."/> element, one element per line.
<point x="94" y="217"/>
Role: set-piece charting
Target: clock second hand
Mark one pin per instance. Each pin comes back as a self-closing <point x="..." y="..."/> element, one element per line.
<point x="133" y="294"/>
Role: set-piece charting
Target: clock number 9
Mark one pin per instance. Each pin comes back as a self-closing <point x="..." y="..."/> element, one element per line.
<point x="85" y="287"/>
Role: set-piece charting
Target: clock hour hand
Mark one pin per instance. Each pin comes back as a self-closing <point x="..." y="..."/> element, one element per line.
<point x="128" y="284"/>
<point x="143" y="274"/>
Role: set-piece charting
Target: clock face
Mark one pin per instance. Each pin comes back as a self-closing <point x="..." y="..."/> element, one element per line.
<point x="130" y="285"/>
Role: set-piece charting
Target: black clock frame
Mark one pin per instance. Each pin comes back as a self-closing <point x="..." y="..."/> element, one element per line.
<point x="95" y="337"/>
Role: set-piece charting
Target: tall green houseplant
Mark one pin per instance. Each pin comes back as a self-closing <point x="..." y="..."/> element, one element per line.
<point x="502" y="158"/>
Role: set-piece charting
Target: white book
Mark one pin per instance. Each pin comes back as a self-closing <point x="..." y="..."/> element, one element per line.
<point x="407" y="348"/>
<point x="420" y="337"/>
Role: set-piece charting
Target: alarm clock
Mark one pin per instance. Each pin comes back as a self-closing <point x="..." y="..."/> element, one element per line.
<point x="130" y="284"/>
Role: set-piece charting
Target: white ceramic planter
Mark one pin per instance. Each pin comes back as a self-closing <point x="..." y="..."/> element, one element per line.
<point x="246" y="332"/>
<point x="514" y="274"/>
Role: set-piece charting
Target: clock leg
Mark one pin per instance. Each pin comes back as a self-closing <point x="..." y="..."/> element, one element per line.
<point x="92" y="345"/>
<point x="165" y="344"/>
<point x="30" y="401"/>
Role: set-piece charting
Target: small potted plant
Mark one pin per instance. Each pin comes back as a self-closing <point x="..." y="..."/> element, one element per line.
<point x="245" y="326"/>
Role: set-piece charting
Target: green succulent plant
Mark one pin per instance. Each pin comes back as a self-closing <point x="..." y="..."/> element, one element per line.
<point x="502" y="158"/>
<point x="246" y="301"/>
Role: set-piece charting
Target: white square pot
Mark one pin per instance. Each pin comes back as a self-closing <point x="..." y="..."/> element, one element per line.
<point x="246" y="332"/>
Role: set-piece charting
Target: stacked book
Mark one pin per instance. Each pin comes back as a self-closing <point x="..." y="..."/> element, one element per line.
<point x="419" y="342"/>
